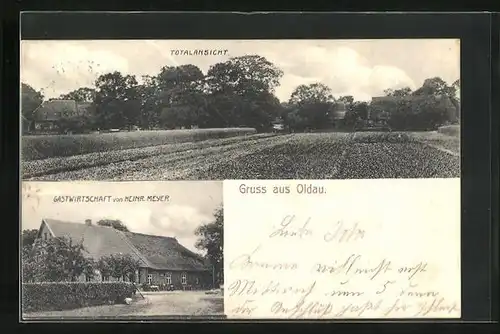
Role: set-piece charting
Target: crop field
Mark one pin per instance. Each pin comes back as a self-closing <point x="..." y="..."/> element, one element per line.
<point x="46" y="146"/>
<point x="265" y="156"/>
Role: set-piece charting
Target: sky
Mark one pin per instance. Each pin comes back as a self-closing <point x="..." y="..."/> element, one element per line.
<point x="362" y="68"/>
<point x="190" y="205"/>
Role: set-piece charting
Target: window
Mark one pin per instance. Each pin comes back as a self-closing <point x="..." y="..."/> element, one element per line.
<point x="88" y="278"/>
<point x="105" y="278"/>
<point x="184" y="278"/>
<point x="45" y="236"/>
<point x="168" y="277"/>
<point x="150" y="278"/>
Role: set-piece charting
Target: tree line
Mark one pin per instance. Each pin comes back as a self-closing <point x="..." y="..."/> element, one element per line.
<point x="239" y="92"/>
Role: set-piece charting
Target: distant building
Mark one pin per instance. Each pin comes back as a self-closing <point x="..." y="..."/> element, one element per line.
<point x="163" y="260"/>
<point x="49" y="113"/>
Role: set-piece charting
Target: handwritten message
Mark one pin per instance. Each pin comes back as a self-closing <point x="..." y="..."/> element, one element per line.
<point x="342" y="249"/>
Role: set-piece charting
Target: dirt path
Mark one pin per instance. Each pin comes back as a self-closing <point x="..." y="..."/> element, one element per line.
<point x="177" y="303"/>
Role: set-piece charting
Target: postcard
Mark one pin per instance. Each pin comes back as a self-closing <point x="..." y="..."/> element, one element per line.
<point x="342" y="249"/>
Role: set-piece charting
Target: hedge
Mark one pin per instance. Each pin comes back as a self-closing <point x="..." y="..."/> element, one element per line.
<point x="47" y="146"/>
<point x="57" y="296"/>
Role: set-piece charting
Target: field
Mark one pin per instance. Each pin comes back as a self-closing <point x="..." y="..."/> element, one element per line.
<point x="265" y="156"/>
<point x="46" y="146"/>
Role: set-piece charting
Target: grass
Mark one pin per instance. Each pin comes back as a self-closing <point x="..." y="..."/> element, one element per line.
<point x="48" y="146"/>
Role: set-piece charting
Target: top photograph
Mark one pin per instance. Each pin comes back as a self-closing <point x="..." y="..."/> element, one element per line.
<point x="157" y="110"/>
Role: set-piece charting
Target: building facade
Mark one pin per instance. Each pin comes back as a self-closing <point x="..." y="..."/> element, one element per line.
<point x="163" y="260"/>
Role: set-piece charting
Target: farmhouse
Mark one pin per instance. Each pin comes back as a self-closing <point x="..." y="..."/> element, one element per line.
<point x="49" y="113"/>
<point x="163" y="260"/>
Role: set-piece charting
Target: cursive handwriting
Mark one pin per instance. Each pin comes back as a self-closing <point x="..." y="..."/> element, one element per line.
<point x="344" y="233"/>
<point x="352" y="267"/>
<point x="302" y="307"/>
<point x="287" y="229"/>
<point x="246" y="261"/>
<point x="396" y="306"/>
<point x="358" y="309"/>
<point x="250" y="288"/>
<point x="246" y="308"/>
<point x="436" y="306"/>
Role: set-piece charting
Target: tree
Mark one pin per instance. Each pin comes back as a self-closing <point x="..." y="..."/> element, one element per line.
<point x="30" y="100"/>
<point x="114" y="223"/>
<point x="244" y="74"/>
<point x="313" y="103"/>
<point x="445" y="97"/>
<point x="348" y="100"/>
<point x="84" y="94"/>
<point x="119" y="266"/>
<point x="28" y="237"/>
<point x="117" y="100"/>
<point x="405" y="91"/>
<point x="148" y="92"/>
<point x="241" y="92"/>
<point x="54" y="260"/>
<point x="180" y="97"/>
<point x="211" y="237"/>
<point x="312" y="93"/>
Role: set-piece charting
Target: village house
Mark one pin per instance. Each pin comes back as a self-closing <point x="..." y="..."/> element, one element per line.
<point x="49" y="113"/>
<point x="163" y="260"/>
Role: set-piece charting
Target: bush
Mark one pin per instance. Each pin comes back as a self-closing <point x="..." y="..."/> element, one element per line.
<point x="57" y="296"/>
<point x="46" y="146"/>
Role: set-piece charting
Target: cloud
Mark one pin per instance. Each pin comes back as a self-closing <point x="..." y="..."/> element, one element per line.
<point x="192" y="204"/>
<point x="362" y="68"/>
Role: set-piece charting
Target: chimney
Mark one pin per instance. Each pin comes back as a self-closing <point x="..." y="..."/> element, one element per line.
<point x="88" y="222"/>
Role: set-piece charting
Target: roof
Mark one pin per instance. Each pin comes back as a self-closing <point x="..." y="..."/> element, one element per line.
<point x="157" y="252"/>
<point x="53" y="110"/>
<point x="166" y="252"/>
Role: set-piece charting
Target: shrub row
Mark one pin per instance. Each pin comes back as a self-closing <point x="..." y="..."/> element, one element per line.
<point x="46" y="146"/>
<point x="57" y="296"/>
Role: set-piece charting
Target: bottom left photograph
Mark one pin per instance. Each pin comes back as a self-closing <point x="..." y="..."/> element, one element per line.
<point x="121" y="250"/>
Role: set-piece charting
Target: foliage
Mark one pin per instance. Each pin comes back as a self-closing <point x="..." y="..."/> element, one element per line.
<point x="56" y="296"/>
<point x="54" y="260"/>
<point x="117" y="101"/>
<point x="30" y="100"/>
<point x="405" y="91"/>
<point x="83" y="94"/>
<point x="311" y="107"/>
<point x="28" y="237"/>
<point x="118" y="265"/>
<point x="114" y="223"/>
<point x="210" y="239"/>
<point x="427" y="108"/>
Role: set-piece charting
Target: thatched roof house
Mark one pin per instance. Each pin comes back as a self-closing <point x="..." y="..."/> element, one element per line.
<point x="163" y="260"/>
<point x="50" y="112"/>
